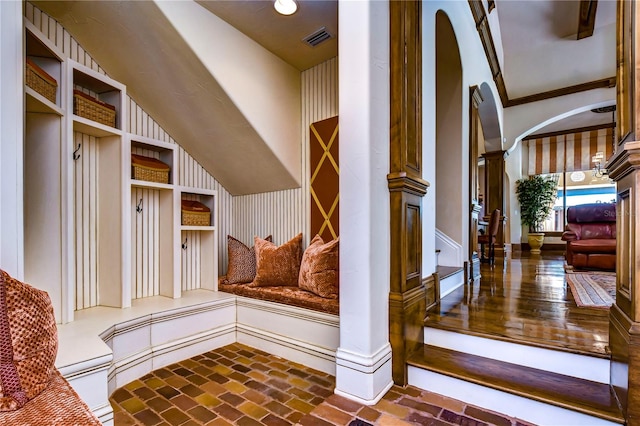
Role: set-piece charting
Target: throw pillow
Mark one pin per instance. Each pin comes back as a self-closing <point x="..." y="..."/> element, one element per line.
<point x="28" y="342"/>
<point x="242" y="261"/>
<point x="277" y="266"/>
<point x="319" y="268"/>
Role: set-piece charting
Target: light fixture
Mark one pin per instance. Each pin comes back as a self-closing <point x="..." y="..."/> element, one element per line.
<point x="597" y="160"/>
<point x="285" y="7"/>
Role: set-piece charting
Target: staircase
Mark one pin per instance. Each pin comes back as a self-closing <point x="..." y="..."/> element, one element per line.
<point x="538" y="385"/>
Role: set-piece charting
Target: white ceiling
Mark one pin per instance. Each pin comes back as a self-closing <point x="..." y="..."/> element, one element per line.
<point x="282" y="35"/>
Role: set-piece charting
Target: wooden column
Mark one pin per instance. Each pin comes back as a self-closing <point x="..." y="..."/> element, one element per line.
<point x="494" y="192"/>
<point x="475" y="98"/>
<point x="624" y="169"/>
<point x="407" y="304"/>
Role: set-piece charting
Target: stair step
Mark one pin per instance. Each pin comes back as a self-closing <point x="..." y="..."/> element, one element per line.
<point x="447" y="271"/>
<point x="583" y="396"/>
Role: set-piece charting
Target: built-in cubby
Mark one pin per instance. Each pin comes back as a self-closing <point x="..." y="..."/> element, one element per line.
<point x="44" y="54"/>
<point x="153" y="232"/>
<point x="100" y="192"/>
<point x="46" y="194"/>
<point x="199" y="264"/>
<point x="102" y="88"/>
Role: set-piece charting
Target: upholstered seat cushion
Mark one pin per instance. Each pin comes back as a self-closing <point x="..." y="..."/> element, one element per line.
<point x="288" y="295"/>
<point x="594" y="246"/>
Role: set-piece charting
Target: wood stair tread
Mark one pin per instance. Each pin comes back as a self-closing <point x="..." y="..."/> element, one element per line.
<point x="584" y="396"/>
<point x="447" y="271"/>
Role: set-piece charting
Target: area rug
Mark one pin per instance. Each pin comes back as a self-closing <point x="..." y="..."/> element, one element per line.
<point x="593" y="290"/>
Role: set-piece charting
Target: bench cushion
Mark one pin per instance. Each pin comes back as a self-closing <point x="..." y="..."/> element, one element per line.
<point x="287" y="295"/>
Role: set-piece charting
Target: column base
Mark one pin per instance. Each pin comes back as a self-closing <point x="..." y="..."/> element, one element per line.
<point x="363" y="378"/>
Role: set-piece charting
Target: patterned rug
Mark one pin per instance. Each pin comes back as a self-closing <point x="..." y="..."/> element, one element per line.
<point x="593" y="289"/>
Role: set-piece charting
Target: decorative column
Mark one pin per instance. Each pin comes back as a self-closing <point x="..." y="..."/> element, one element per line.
<point x="624" y="169"/>
<point x="494" y="172"/>
<point x="363" y="359"/>
<point x="407" y="302"/>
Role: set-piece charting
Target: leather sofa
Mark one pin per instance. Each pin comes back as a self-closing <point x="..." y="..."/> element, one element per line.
<point x="591" y="236"/>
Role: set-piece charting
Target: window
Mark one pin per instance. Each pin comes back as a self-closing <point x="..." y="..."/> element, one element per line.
<point x="578" y="187"/>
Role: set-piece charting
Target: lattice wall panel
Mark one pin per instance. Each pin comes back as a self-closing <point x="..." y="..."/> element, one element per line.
<point x="324" y="181"/>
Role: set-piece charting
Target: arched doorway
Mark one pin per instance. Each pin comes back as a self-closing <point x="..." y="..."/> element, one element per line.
<point x="451" y="186"/>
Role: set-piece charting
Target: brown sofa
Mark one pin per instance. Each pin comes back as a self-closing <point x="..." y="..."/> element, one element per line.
<point x="591" y="236"/>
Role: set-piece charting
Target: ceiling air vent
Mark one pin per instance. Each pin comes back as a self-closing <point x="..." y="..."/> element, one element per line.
<point x="317" y="37"/>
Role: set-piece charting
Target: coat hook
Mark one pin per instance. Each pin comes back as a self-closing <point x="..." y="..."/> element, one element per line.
<point x="184" y="245"/>
<point x="75" y="153"/>
<point x="139" y="206"/>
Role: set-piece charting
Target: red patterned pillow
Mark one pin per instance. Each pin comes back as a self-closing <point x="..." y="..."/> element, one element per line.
<point x="277" y="266"/>
<point x="28" y="342"/>
<point x="319" y="268"/>
<point x="242" y="261"/>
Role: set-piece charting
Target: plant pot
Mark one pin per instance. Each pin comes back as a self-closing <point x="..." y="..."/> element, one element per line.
<point x="536" y="239"/>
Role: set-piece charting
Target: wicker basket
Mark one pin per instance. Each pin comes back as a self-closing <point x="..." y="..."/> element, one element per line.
<point x="40" y="81"/>
<point x="195" y="213"/>
<point x="89" y="107"/>
<point x="149" y="169"/>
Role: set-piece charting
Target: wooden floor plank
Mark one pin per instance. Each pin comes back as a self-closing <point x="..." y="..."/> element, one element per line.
<point x="592" y="398"/>
<point x="526" y="300"/>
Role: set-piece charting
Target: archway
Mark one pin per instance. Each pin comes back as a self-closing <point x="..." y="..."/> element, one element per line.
<point x="451" y="185"/>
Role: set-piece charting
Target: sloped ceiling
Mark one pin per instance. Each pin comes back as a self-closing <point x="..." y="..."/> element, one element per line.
<point x="238" y="116"/>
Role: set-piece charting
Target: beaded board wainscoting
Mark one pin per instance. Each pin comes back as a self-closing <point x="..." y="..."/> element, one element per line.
<point x="239" y="385"/>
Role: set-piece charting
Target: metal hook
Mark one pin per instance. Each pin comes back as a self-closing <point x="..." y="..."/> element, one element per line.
<point x="139" y="206"/>
<point x="75" y="153"/>
<point x="184" y="245"/>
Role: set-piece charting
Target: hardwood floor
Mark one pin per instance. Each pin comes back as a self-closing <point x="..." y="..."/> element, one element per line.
<point x="527" y="300"/>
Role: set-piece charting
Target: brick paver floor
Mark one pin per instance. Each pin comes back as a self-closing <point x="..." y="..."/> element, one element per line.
<point x="240" y="385"/>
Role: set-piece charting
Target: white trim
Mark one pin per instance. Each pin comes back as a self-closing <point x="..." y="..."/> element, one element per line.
<point x="450" y="251"/>
<point x="570" y="364"/>
<point x="501" y="402"/>
<point x="359" y="400"/>
<point x="363" y="363"/>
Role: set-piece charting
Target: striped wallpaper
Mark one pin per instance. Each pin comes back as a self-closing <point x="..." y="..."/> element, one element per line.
<point x="570" y="152"/>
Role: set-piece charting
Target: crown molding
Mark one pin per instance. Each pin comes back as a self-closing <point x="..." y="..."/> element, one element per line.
<point x="482" y="25"/>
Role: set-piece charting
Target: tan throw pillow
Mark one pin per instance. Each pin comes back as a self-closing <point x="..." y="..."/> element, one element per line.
<point x="242" y="261"/>
<point x="277" y="266"/>
<point x="319" y="268"/>
<point x="28" y="342"/>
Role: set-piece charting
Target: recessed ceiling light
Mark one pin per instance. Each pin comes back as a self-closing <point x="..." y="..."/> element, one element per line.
<point x="285" y="7"/>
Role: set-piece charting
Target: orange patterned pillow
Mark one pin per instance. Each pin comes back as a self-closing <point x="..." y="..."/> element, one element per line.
<point x="28" y="342"/>
<point x="242" y="261"/>
<point x="319" y="268"/>
<point x="277" y="266"/>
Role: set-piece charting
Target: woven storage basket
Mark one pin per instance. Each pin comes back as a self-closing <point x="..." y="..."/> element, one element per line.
<point x="149" y="169"/>
<point x="40" y="81"/>
<point x="195" y="213"/>
<point x="89" y="107"/>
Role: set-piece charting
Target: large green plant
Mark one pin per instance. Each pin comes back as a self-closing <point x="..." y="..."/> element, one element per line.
<point x="536" y="196"/>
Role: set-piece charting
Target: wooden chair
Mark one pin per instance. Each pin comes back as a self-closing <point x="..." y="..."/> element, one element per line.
<point x="489" y="237"/>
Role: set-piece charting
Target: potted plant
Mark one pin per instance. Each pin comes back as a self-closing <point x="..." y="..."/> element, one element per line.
<point x="536" y="196"/>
